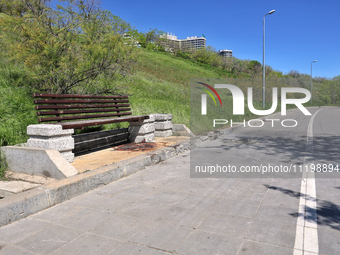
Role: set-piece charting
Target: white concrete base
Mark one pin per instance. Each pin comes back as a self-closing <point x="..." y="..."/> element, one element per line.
<point x="37" y="161"/>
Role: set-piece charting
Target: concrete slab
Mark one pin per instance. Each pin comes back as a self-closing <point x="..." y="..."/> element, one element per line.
<point x="49" y="240"/>
<point x="17" y="186"/>
<point x="273" y="232"/>
<point x="144" y="210"/>
<point x="328" y="241"/>
<point x="230" y="225"/>
<point x="135" y="249"/>
<point x="233" y="207"/>
<point x="161" y="235"/>
<point x="181" y="216"/>
<point x="29" y="178"/>
<point x="84" y="245"/>
<point x="120" y="227"/>
<point x="202" y="242"/>
<point x="20" y="230"/>
<point x="257" y="248"/>
<point x="85" y="219"/>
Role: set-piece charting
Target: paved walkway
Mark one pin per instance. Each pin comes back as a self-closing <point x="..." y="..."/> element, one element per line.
<point x="161" y="210"/>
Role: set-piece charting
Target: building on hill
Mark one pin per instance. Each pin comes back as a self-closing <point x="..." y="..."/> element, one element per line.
<point x="191" y="43"/>
<point x="226" y="53"/>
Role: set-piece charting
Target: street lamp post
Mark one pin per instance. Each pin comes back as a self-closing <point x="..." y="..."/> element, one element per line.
<point x="311" y="81"/>
<point x="264" y="66"/>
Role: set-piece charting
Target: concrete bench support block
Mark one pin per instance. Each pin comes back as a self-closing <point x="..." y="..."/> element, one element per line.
<point x="142" y="131"/>
<point x="163" y="125"/>
<point x="36" y="161"/>
<point x="50" y="136"/>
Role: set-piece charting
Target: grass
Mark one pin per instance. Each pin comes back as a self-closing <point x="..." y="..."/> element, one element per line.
<point x="3" y="167"/>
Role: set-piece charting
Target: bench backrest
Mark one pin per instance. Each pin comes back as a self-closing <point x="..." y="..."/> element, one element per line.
<point x="63" y="107"/>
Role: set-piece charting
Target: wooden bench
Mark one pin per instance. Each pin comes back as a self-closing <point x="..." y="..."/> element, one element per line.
<point x="79" y="111"/>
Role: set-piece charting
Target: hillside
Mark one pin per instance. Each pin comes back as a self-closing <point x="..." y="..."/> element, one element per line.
<point x="160" y="84"/>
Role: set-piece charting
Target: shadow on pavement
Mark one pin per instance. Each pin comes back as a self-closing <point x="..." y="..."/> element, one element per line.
<point x="328" y="213"/>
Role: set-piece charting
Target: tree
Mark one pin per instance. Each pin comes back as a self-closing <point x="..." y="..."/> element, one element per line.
<point x="254" y="68"/>
<point x="329" y="91"/>
<point x="74" y="48"/>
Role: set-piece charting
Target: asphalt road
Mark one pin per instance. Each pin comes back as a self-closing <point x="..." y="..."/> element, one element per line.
<point x="170" y="208"/>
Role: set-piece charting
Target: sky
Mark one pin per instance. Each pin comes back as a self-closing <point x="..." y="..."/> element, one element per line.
<point x="299" y="32"/>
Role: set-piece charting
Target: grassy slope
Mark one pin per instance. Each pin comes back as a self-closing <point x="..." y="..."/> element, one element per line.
<point x="160" y="84"/>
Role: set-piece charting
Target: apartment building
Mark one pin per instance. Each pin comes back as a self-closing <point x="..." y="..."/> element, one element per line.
<point x="226" y="53"/>
<point x="192" y="42"/>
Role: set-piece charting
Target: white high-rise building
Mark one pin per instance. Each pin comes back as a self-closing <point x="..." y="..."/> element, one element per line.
<point x="192" y="42"/>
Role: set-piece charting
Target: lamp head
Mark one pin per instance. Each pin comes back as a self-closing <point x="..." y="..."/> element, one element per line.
<point x="271" y="12"/>
<point x="314" y="61"/>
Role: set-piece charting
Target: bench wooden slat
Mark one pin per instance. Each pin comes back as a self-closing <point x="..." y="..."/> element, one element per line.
<point x="81" y="111"/>
<point x="86" y="123"/>
<point x="76" y="96"/>
<point x="75" y="117"/>
<point x="88" y="101"/>
<point x="79" y="106"/>
<point x="78" y="111"/>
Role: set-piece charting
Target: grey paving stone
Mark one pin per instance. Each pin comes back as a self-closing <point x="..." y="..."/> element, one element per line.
<point x="138" y="192"/>
<point x="120" y="227"/>
<point x="13" y="250"/>
<point x="88" y="244"/>
<point x="187" y="217"/>
<point x="50" y="239"/>
<point x="135" y="249"/>
<point x="273" y="232"/>
<point x="219" y="223"/>
<point x="251" y="186"/>
<point x="85" y="219"/>
<point x="328" y="215"/>
<point x="287" y="183"/>
<point x="114" y="205"/>
<point x="184" y="185"/>
<point x="144" y="210"/>
<point x="86" y="200"/>
<point x="234" y="207"/>
<point x="214" y="189"/>
<point x="329" y="241"/>
<point x="244" y="195"/>
<point x="282" y="214"/>
<point x="3" y="243"/>
<point x="201" y="242"/>
<point x="198" y="202"/>
<point x="256" y="248"/>
<point x="56" y="213"/>
<point x="19" y="230"/>
<point x="329" y="194"/>
<point x="166" y="197"/>
<point x="113" y="188"/>
<point x="161" y="235"/>
<point x="281" y="199"/>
